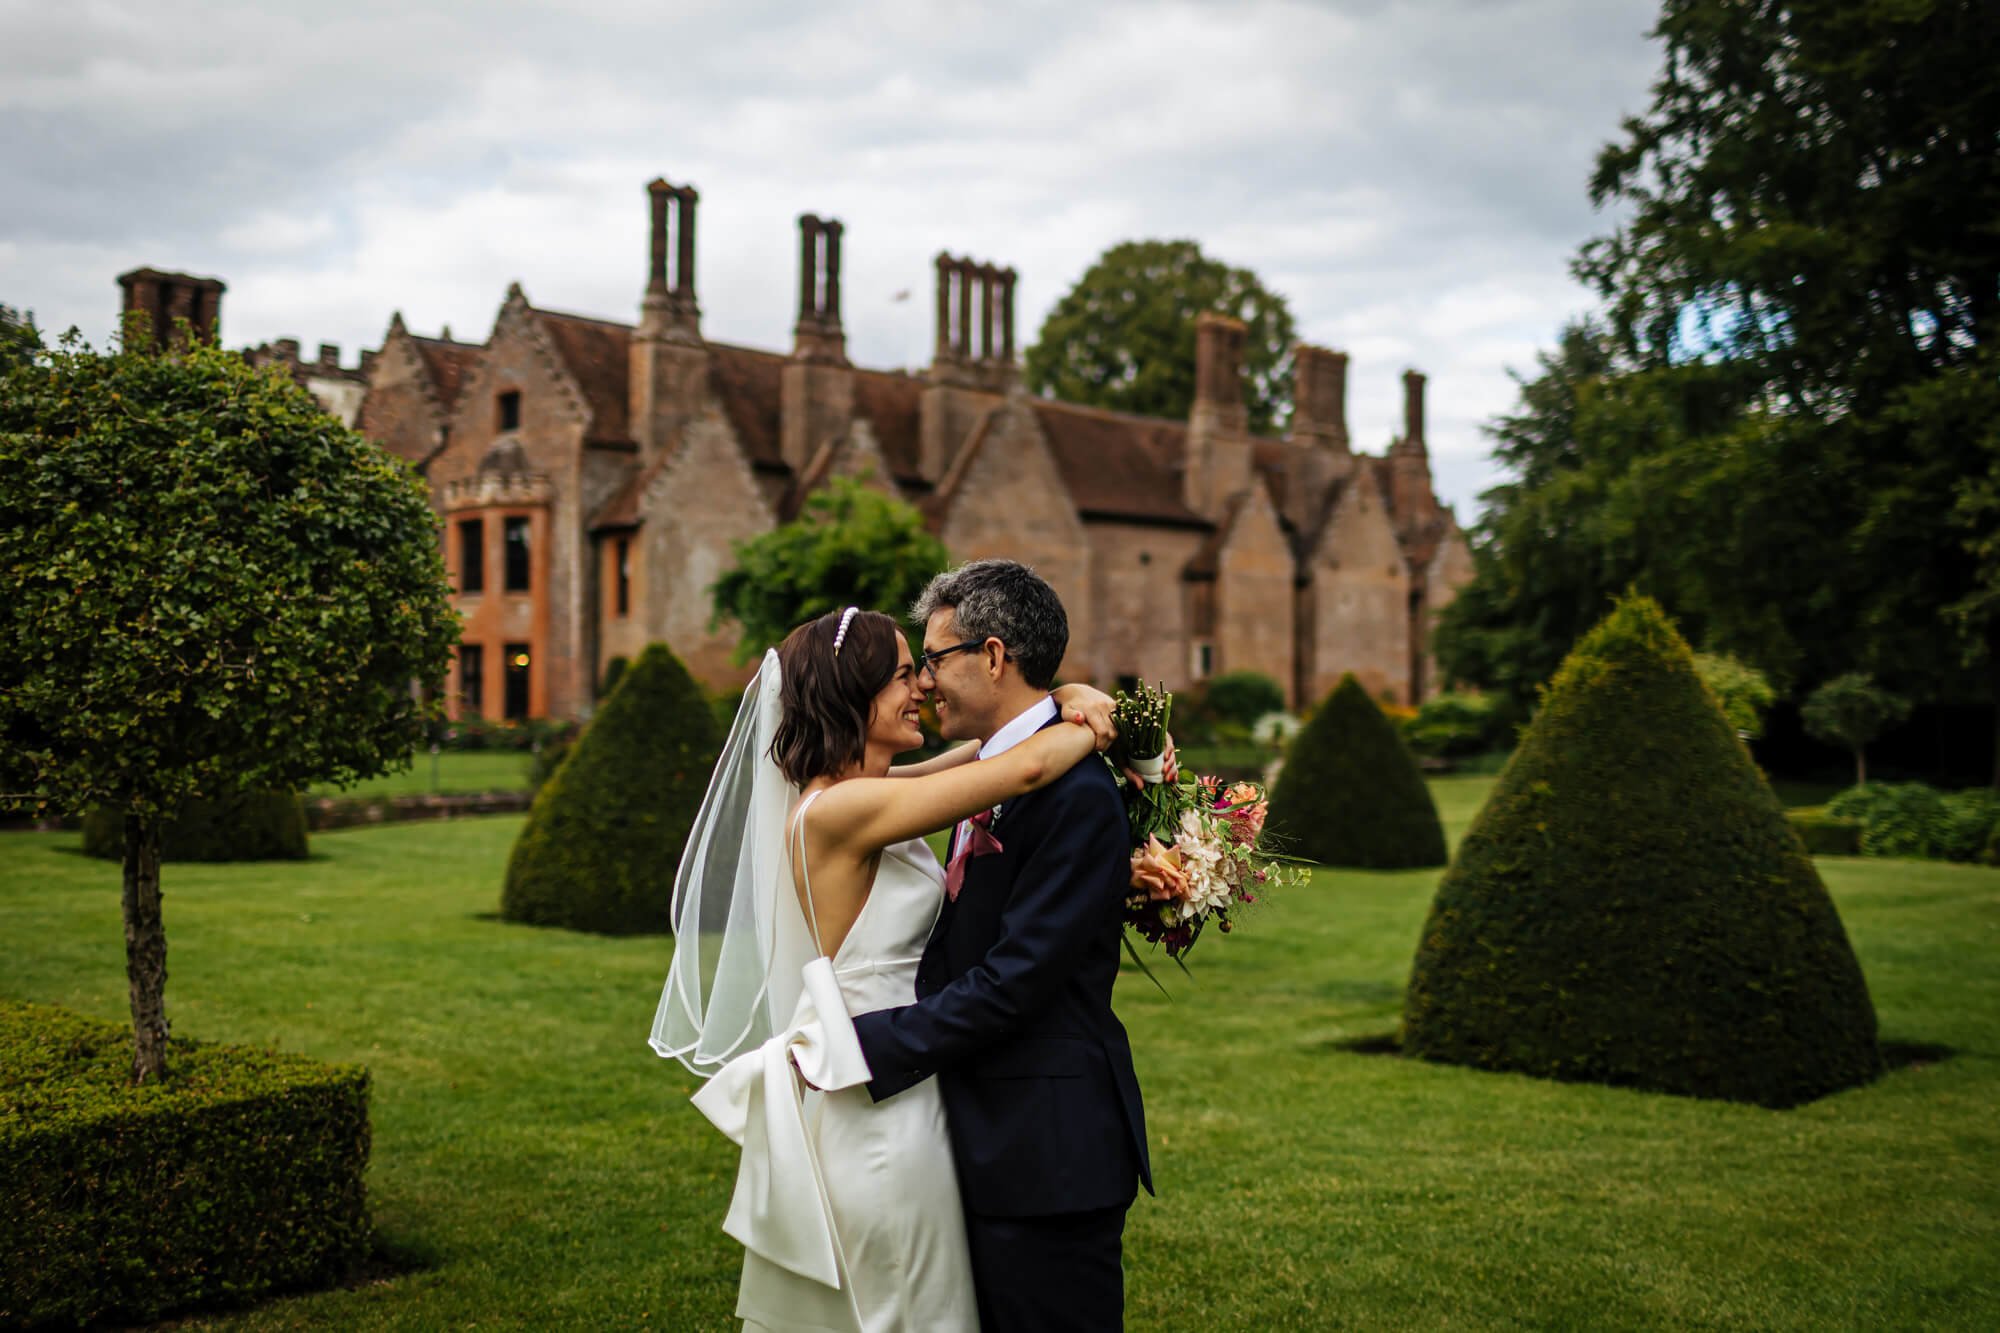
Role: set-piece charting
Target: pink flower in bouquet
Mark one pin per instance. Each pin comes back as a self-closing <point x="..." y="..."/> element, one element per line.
<point x="1157" y="870"/>
<point x="1246" y="823"/>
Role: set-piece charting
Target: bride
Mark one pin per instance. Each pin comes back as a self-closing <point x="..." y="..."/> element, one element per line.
<point x="806" y="896"/>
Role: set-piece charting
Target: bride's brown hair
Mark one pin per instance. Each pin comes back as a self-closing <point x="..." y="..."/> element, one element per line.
<point x="828" y="696"/>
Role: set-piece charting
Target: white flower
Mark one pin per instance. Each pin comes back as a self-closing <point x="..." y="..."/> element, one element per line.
<point x="1204" y="858"/>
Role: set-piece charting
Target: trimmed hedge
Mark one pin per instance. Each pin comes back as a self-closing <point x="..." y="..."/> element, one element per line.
<point x="239" y="1177"/>
<point x="255" y="826"/>
<point x="1631" y="907"/>
<point x="1912" y="819"/>
<point x="1350" y="793"/>
<point x="1824" y="834"/>
<point x="607" y="828"/>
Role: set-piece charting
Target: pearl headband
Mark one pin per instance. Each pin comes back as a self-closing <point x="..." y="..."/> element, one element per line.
<point x="840" y="635"/>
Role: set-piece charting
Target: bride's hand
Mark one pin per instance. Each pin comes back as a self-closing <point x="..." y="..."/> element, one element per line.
<point x="1089" y="707"/>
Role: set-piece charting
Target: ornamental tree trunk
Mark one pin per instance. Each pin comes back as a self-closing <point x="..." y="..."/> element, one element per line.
<point x="145" y="949"/>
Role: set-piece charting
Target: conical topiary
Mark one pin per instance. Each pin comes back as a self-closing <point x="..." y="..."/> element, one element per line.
<point x="1630" y="907"/>
<point x="606" y="831"/>
<point x="1350" y="793"/>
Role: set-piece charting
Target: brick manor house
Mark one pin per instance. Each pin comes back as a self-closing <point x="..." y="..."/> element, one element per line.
<point x="590" y="475"/>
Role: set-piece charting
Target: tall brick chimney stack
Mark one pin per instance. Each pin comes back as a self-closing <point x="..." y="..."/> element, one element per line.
<point x="669" y="309"/>
<point x="818" y="335"/>
<point x="1218" y="438"/>
<point x="816" y="387"/>
<point x="1413" y="411"/>
<point x="164" y="298"/>
<point x="1319" y="397"/>
<point x="669" y="366"/>
<point x="1218" y="371"/>
<point x="975" y="305"/>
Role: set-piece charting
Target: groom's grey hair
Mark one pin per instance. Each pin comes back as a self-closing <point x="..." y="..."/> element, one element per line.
<point x="1004" y="600"/>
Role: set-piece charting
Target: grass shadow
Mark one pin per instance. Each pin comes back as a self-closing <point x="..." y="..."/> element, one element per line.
<point x="1901" y="1055"/>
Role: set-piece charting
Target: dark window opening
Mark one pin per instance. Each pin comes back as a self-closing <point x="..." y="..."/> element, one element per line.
<point x="517" y="681"/>
<point x="471" y="555"/>
<point x="623" y="556"/>
<point x="510" y="410"/>
<point x="471" y="678"/>
<point x="517" y="554"/>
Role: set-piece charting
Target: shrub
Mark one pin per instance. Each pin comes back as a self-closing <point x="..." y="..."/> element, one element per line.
<point x="1449" y="726"/>
<point x="254" y="826"/>
<point x="1824" y="834"/>
<point x="1243" y="696"/>
<point x="1350" y="793"/>
<point x="1915" y="820"/>
<point x="1630" y="906"/>
<point x="237" y="1177"/>
<point x="606" y="831"/>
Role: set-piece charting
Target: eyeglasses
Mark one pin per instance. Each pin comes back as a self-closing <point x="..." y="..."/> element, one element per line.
<point x="928" y="662"/>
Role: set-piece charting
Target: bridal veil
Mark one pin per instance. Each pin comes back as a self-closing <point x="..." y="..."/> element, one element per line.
<point x="738" y="950"/>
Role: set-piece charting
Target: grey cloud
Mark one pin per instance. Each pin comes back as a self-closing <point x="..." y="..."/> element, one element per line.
<point x="1410" y="175"/>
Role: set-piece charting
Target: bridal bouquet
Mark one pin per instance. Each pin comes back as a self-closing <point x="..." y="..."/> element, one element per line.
<point x="1196" y="856"/>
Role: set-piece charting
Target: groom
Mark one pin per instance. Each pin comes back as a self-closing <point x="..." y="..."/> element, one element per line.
<point x="1014" y="991"/>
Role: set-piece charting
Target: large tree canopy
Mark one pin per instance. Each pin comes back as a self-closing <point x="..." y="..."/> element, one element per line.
<point x="1789" y="426"/>
<point x="851" y="545"/>
<point x="213" y="587"/>
<point x="1123" y="337"/>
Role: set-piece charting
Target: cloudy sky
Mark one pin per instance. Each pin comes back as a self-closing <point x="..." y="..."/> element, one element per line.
<point x="1410" y="176"/>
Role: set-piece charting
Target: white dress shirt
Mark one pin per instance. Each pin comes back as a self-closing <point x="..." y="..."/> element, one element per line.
<point x="1023" y="725"/>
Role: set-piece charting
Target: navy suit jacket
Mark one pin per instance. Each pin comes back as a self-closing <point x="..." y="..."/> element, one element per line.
<point x="1014" y="1011"/>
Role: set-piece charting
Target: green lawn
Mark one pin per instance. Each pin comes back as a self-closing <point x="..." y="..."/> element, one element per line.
<point x="457" y="773"/>
<point x="547" y="1171"/>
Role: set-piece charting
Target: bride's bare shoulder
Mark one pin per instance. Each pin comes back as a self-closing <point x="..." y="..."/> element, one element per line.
<point x="840" y="807"/>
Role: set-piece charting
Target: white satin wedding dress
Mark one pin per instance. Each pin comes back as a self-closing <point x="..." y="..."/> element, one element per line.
<point x="833" y="1185"/>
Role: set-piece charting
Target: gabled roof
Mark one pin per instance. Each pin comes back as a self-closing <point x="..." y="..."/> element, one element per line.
<point x="748" y="384"/>
<point x="1117" y="465"/>
<point x="448" y="364"/>
<point x="893" y="405"/>
<point x="621" y="508"/>
<point x="598" y="354"/>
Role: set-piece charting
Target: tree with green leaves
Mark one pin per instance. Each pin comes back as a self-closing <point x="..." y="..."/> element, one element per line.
<point x="19" y="339"/>
<point x="214" y="587"/>
<point x="1799" y="374"/>
<point x="1740" y="690"/>
<point x="1852" y="711"/>
<point x="1123" y="337"/>
<point x="850" y="546"/>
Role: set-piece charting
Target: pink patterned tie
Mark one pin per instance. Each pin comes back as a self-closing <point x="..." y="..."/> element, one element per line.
<point x="978" y="841"/>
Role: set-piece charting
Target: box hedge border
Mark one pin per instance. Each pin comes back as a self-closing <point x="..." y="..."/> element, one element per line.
<point x="238" y="1177"/>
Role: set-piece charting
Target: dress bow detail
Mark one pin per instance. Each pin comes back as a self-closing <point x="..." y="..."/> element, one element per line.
<point x="978" y="841"/>
<point x="780" y="1208"/>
